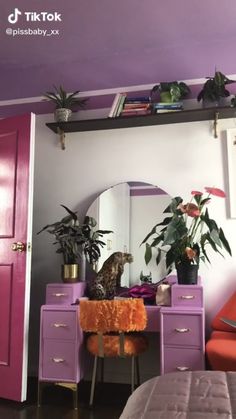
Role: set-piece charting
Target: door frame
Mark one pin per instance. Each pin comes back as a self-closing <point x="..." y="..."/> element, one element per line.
<point x="28" y="259"/>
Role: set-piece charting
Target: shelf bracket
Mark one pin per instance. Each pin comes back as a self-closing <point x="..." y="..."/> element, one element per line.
<point x="62" y="138"/>
<point x="216" y="124"/>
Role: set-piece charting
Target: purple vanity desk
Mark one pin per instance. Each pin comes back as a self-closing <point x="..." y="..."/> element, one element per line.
<point x="61" y="355"/>
<point x="182" y="328"/>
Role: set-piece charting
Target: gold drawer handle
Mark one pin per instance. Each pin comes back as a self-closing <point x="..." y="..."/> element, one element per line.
<point x="183" y="330"/>
<point x="187" y="297"/>
<point x="58" y="360"/>
<point x="183" y="368"/>
<point x="59" y="325"/>
<point x="59" y="294"/>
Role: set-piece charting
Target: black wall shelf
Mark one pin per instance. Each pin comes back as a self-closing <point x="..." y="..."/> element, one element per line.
<point x="144" y="120"/>
<point x="192" y="115"/>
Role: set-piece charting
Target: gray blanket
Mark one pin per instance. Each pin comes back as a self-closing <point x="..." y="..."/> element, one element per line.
<point x="184" y="395"/>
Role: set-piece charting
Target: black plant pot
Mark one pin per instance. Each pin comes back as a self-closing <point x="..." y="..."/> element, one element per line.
<point x="187" y="274"/>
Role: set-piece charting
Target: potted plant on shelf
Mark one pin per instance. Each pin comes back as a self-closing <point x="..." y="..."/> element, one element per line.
<point x="182" y="238"/>
<point x="75" y="240"/>
<point x="65" y="103"/>
<point x="170" y="91"/>
<point x="214" y="89"/>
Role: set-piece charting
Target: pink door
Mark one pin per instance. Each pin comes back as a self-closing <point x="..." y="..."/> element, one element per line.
<point x="16" y="163"/>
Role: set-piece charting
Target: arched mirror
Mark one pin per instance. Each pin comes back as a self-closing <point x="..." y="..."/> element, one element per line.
<point x="130" y="210"/>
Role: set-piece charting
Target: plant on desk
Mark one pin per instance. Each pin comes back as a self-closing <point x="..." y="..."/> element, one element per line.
<point x="182" y="238"/>
<point x="75" y="240"/>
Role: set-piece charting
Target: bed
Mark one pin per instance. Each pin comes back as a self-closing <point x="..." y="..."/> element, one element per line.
<point x="184" y="395"/>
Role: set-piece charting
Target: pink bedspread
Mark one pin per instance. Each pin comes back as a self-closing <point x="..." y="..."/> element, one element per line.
<point x="184" y="395"/>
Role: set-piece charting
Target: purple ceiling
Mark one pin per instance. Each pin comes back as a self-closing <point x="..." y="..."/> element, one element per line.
<point x="105" y="43"/>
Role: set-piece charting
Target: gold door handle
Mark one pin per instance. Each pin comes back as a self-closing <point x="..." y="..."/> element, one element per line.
<point x="18" y="247"/>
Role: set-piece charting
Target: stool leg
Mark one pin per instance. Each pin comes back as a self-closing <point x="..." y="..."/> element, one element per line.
<point x="39" y="394"/>
<point x="137" y="370"/>
<point x="93" y="380"/>
<point x="101" y="360"/>
<point x="132" y="373"/>
<point x="75" y="397"/>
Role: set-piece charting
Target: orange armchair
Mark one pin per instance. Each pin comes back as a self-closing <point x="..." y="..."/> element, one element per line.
<point x="111" y="324"/>
<point x="221" y="347"/>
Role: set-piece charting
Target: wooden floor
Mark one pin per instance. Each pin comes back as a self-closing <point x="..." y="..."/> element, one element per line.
<point x="57" y="403"/>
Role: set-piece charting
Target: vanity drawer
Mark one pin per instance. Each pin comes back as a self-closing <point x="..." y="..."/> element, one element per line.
<point x="58" y="324"/>
<point x="182" y="359"/>
<point x="187" y="296"/>
<point x="59" y="360"/>
<point x="64" y="294"/>
<point x="182" y="328"/>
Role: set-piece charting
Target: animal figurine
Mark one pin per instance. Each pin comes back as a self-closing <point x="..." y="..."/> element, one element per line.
<point x="104" y="285"/>
<point x="146" y="279"/>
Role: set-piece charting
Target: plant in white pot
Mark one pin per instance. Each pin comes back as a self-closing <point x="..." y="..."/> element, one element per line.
<point x="75" y="240"/>
<point x="65" y="103"/>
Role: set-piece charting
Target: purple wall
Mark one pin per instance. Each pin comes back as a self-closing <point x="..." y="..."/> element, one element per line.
<point x="113" y="44"/>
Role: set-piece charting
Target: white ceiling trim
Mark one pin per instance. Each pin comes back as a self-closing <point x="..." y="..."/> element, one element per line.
<point x="93" y="93"/>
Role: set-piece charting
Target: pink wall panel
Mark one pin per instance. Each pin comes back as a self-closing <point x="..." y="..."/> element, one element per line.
<point x="8" y="149"/>
<point x="5" y="312"/>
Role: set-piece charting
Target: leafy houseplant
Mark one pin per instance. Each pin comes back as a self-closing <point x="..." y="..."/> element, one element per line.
<point x="183" y="237"/>
<point x="214" y="88"/>
<point x="171" y="91"/>
<point x="64" y="102"/>
<point x="74" y="240"/>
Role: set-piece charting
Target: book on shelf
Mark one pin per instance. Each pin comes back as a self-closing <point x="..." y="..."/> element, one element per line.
<point x="167" y="110"/>
<point x="136" y="105"/>
<point x="123" y="105"/>
<point x="117" y="105"/>
<point x="137" y="112"/>
<point x="114" y="105"/>
<point x="167" y="105"/>
<point x="120" y="104"/>
<point x="138" y="99"/>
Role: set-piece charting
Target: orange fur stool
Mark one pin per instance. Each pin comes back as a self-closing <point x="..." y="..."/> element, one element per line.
<point x="114" y="327"/>
<point x="221" y="347"/>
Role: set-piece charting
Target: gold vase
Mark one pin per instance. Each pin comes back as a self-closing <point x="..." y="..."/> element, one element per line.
<point x="70" y="272"/>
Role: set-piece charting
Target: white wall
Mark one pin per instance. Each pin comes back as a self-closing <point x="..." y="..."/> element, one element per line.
<point x="177" y="158"/>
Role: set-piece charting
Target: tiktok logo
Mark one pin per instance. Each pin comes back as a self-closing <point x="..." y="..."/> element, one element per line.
<point x="13" y="17"/>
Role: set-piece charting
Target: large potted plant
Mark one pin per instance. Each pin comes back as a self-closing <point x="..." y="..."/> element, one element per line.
<point x="64" y="103"/>
<point x="214" y="89"/>
<point x="170" y="91"/>
<point x="183" y="237"/>
<point x="75" y="240"/>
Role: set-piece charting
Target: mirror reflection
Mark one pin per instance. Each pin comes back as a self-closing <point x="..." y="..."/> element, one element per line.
<point x="130" y="210"/>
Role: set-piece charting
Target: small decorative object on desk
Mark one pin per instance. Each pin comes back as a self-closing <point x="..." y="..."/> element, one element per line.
<point x="163" y="296"/>
<point x="183" y="237"/>
<point x="75" y="240"/>
<point x="145" y="291"/>
<point x="145" y="279"/>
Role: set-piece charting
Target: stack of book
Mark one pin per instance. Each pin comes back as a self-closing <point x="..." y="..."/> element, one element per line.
<point x="117" y="105"/>
<point x="162" y="107"/>
<point x="136" y="106"/>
